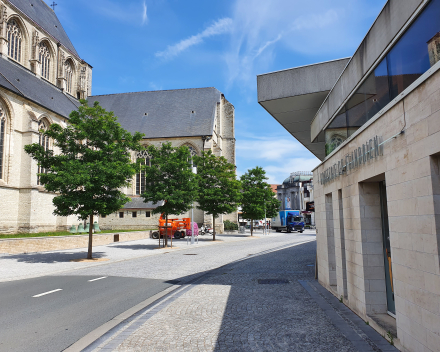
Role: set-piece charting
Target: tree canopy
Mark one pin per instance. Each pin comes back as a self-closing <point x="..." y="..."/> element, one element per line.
<point x="170" y="179"/>
<point x="92" y="164"/>
<point x="219" y="190"/>
<point x="257" y="196"/>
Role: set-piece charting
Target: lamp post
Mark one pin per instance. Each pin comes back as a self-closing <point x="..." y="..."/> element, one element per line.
<point x="194" y="170"/>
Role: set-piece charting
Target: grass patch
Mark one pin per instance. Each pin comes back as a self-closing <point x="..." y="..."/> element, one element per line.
<point x="60" y="233"/>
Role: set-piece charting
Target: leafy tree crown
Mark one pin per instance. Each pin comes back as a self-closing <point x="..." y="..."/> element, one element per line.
<point x="219" y="190"/>
<point x="257" y="196"/>
<point x="92" y="164"/>
<point x="170" y="179"/>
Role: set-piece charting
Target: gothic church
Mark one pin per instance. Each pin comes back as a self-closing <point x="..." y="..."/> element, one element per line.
<point x="42" y="78"/>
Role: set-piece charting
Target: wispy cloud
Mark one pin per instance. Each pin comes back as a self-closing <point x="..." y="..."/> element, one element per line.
<point x="223" y="25"/>
<point x="135" y="12"/>
<point x="144" y="13"/>
<point x="267" y="148"/>
<point x="280" y="156"/>
<point x="258" y="28"/>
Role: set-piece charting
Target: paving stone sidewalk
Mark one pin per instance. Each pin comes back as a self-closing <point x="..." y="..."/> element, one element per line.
<point x="267" y="302"/>
<point x="23" y="266"/>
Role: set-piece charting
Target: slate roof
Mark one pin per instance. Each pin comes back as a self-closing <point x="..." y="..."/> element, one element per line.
<point x="43" y="15"/>
<point x="138" y="203"/>
<point x="23" y="82"/>
<point x="170" y="113"/>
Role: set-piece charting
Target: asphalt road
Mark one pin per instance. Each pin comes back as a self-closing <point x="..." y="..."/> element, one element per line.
<point x="55" y="320"/>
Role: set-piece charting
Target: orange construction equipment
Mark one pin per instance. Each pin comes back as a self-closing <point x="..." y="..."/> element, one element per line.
<point x="176" y="227"/>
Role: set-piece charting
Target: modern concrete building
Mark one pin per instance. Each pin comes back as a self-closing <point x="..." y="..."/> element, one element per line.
<point x="374" y="121"/>
<point x="296" y="193"/>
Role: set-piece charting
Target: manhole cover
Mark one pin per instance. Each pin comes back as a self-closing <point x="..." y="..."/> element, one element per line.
<point x="272" y="281"/>
<point x="190" y="254"/>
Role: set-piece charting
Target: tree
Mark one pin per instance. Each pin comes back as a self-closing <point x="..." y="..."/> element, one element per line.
<point x="257" y="198"/>
<point x="93" y="164"/>
<point x="170" y="179"/>
<point x="219" y="190"/>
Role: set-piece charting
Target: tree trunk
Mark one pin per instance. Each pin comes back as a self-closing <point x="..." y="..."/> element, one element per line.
<point x="252" y="226"/>
<point x="213" y="229"/>
<point x="89" y="253"/>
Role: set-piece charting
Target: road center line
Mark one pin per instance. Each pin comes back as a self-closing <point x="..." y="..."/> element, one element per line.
<point x="46" y="293"/>
<point x="99" y="278"/>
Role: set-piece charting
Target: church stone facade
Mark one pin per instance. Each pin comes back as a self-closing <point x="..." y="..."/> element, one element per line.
<point x="42" y="78"/>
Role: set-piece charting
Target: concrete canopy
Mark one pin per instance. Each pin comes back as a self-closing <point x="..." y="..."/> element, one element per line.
<point x="294" y="96"/>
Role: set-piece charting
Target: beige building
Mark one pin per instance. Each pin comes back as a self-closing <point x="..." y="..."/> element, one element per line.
<point x="42" y="79"/>
<point x="201" y="119"/>
<point x="374" y="121"/>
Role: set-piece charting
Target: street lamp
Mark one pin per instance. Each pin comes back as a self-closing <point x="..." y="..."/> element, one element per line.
<point x="194" y="170"/>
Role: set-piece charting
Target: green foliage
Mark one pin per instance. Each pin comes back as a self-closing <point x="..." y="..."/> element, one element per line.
<point x="219" y="190"/>
<point x="170" y="179"/>
<point x="390" y="337"/>
<point x="258" y="198"/>
<point x="230" y="226"/>
<point x="93" y="164"/>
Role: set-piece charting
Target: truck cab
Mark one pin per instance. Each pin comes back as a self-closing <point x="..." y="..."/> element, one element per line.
<point x="288" y="220"/>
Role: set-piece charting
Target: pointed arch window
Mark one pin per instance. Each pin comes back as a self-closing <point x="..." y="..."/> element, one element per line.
<point x="143" y="158"/>
<point x="15" y="38"/>
<point x="44" y="57"/>
<point x="68" y="69"/>
<point x="2" y="140"/>
<point x="43" y="125"/>
<point x="192" y="151"/>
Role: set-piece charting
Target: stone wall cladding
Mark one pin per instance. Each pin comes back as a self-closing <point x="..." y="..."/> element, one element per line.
<point x="410" y="166"/>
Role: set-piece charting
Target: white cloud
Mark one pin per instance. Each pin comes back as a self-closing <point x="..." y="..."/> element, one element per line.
<point x="278" y="156"/>
<point x="134" y="13"/>
<point x="223" y="25"/>
<point x="269" y="149"/>
<point x="144" y="13"/>
<point x="278" y="173"/>
<point x="263" y="29"/>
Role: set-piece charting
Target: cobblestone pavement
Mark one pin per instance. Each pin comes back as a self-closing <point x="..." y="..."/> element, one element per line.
<point x="23" y="266"/>
<point x="255" y="304"/>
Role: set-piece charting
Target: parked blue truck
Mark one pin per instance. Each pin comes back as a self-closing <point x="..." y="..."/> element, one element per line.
<point x="288" y="220"/>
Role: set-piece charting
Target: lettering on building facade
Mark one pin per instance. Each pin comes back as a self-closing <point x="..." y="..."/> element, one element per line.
<point x="358" y="157"/>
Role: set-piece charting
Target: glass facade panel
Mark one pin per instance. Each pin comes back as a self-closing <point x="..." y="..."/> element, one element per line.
<point x="413" y="54"/>
<point x="336" y="133"/>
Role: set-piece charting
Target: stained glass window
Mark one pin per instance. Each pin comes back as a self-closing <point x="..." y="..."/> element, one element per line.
<point x="68" y="68"/>
<point x="44" y="142"/>
<point x="14" y="40"/>
<point x="142" y="158"/>
<point x="2" y="140"/>
<point x="44" y="56"/>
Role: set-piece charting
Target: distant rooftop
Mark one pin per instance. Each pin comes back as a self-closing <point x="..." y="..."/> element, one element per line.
<point x="164" y="113"/>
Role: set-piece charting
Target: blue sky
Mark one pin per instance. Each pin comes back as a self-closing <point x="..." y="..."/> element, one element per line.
<point x="137" y="45"/>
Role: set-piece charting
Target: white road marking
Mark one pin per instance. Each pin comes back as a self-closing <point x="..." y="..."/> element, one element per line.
<point x="99" y="278"/>
<point x="46" y="293"/>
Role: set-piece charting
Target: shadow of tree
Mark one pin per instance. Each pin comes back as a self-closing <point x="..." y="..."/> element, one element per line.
<point x="51" y="257"/>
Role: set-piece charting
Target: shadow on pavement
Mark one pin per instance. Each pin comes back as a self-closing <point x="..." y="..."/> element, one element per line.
<point x="266" y="308"/>
<point x="135" y="246"/>
<point x="52" y="257"/>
